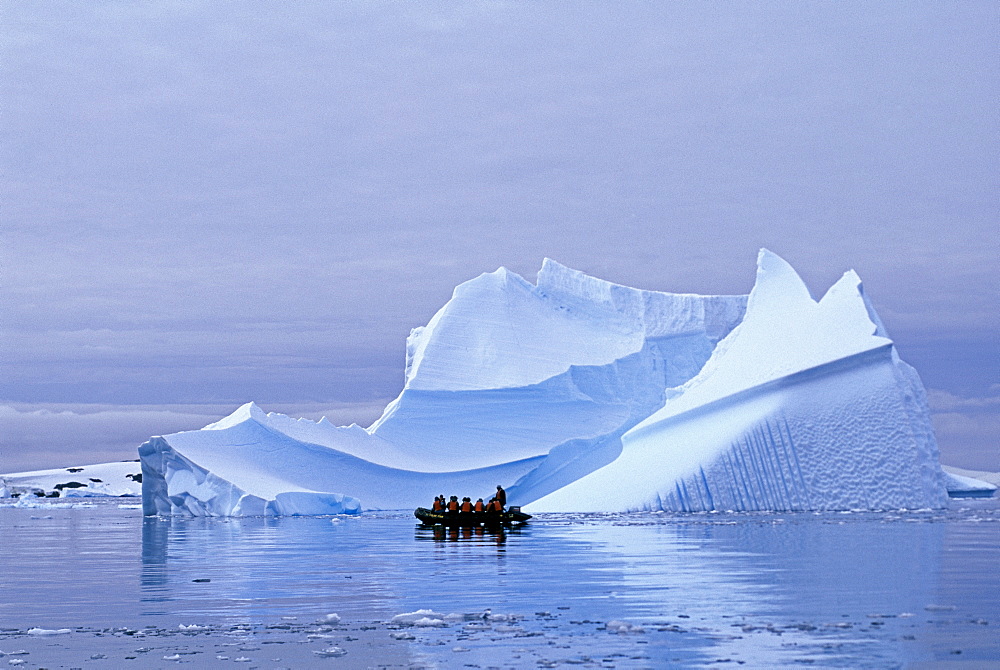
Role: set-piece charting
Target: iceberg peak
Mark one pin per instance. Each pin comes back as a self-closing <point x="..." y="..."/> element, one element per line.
<point x="246" y="412"/>
<point x="777" y="281"/>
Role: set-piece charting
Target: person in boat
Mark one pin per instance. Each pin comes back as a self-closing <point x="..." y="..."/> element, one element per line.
<point x="501" y="497"/>
<point x="480" y="506"/>
<point x="466" y="504"/>
<point x="438" y="504"/>
<point x="453" y="504"/>
<point x="494" y="507"/>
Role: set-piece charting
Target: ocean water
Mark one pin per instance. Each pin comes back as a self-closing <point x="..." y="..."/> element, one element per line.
<point x="95" y="584"/>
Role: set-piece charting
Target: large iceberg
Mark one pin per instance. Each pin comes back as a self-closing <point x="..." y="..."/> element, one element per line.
<point x="580" y="394"/>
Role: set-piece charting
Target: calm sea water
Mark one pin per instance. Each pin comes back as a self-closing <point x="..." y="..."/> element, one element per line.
<point x="878" y="590"/>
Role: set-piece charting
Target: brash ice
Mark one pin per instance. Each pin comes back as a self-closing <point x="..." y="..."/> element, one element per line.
<point x="590" y="396"/>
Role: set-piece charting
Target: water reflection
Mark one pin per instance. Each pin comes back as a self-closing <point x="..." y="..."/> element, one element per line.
<point x="814" y="577"/>
<point x="478" y="535"/>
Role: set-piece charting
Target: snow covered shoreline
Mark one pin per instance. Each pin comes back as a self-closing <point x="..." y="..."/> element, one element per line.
<point x="99" y="480"/>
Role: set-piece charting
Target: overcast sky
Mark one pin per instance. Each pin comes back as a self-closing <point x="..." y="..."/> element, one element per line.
<point x="205" y="203"/>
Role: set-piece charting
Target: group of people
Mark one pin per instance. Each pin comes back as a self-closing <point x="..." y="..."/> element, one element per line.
<point x="495" y="505"/>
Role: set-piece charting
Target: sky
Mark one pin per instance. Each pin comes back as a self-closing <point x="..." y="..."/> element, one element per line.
<point x="206" y="203"/>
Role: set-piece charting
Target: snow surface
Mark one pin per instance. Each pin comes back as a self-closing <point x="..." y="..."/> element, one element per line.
<point x="579" y="394"/>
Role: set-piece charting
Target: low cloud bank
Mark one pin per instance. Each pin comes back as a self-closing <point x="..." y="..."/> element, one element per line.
<point x="967" y="429"/>
<point x="36" y="437"/>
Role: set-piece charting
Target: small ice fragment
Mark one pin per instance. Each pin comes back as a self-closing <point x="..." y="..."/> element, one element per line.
<point x="192" y="626"/>
<point x="174" y="657"/>
<point x="935" y="608"/>
<point x="410" y="618"/>
<point x="47" y="631"/>
<point x="622" y="627"/>
<point x="329" y="618"/>
<point x="330" y="652"/>
<point x="241" y="659"/>
<point x="15" y="661"/>
<point x="459" y="649"/>
<point x="222" y="658"/>
<point x="402" y="635"/>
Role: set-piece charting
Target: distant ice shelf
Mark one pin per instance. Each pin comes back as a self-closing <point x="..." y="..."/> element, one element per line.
<point x="579" y="394"/>
<point x="970" y="483"/>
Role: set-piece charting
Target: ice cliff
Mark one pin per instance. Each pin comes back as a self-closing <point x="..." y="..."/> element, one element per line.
<point x="579" y="394"/>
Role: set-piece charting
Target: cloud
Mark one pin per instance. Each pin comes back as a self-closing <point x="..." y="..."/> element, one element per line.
<point x="943" y="401"/>
<point x="967" y="429"/>
<point x="54" y="435"/>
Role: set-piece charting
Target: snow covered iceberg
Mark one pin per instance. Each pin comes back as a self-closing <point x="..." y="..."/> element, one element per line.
<point x="579" y="394"/>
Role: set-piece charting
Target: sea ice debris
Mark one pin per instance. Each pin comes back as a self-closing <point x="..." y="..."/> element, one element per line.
<point x="623" y="627"/>
<point x="410" y="618"/>
<point x="49" y="631"/>
<point x="331" y="652"/>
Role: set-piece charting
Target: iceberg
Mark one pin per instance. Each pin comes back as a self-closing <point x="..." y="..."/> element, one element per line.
<point x="580" y="394"/>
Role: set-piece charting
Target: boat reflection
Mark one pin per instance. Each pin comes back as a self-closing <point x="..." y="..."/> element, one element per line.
<point x="488" y="535"/>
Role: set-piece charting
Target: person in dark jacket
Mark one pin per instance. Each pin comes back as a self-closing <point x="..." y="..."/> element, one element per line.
<point x="501" y="497"/>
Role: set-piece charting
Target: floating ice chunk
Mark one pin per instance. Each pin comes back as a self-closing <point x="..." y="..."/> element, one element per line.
<point x="410" y="618"/>
<point x="330" y="652"/>
<point x="49" y="631"/>
<point x="329" y="618"/>
<point x="622" y="627"/>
